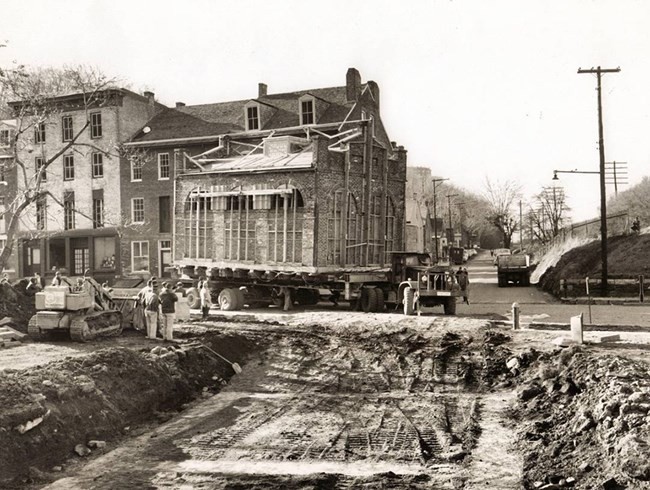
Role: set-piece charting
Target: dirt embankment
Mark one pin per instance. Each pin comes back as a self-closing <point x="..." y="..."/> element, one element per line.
<point x="16" y="304"/>
<point x="628" y="256"/>
<point x="50" y="412"/>
<point x="584" y="421"/>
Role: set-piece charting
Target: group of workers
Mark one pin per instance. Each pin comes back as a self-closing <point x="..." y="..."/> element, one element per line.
<point x="159" y="308"/>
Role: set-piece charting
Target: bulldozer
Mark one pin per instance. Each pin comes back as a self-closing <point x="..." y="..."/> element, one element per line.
<point x="85" y="310"/>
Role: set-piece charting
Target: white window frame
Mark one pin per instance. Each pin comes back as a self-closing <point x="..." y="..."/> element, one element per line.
<point x="66" y="159"/>
<point x="96" y="130"/>
<point x="5" y="142"/>
<point x="98" y="223"/>
<point x="38" y="168"/>
<point x="39" y="133"/>
<point x="160" y="177"/>
<point x="67" y="133"/>
<point x="133" y="200"/>
<point x="97" y="165"/>
<point x="311" y="100"/>
<point x="141" y="255"/>
<point x="246" y="118"/>
<point x="133" y="167"/>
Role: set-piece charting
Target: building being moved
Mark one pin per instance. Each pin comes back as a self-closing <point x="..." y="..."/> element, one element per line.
<point x="300" y="182"/>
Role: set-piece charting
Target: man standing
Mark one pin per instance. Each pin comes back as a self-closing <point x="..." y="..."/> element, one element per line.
<point x="168" y="309"/>
<point x="151" y="304"/>
<point x="206" y="300"/>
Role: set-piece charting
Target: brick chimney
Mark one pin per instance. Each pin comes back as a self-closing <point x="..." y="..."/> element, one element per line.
<point x="150" y="95"/>
<point x="180" y="104"/>
<point x="262" y="89"/>
<point x="374" y="89"/>
<point x="352" y="85"/>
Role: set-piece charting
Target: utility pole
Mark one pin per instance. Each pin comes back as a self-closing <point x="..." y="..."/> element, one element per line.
<point x="603" y="200"/>
<point x="451" y="228"/>
<point x="521" y="228"/>
<point x="460" y="219"/>
<point x="436" y="182"/>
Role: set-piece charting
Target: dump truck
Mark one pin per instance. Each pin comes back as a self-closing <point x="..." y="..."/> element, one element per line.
<point x="85" y="311"/>
<point x="513" y="269"/>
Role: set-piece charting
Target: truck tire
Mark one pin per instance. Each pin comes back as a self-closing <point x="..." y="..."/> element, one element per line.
<point x="409" y="301"/>
<point x="500" y="281"/>
<point x="193" y="298"/>
<point x="449" y="306"/>
<point x="228" y="300"/>
<point x="368" y="299"/>
<point x="379" y="305"/>
<point x="241" y="299"/>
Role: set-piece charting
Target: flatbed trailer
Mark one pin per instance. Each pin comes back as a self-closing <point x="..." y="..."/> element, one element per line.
<point x="411" y="285"/>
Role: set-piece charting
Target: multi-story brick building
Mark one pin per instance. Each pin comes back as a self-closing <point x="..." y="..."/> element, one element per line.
<point x="79" y="224"/>
<point x="7" y="186"/>
<point x="306" y="180"/>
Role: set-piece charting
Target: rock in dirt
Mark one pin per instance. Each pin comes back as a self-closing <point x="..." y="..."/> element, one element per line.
<point x="96" y="444"/>
<point x="81" y="450"/>
<point x="530" y="391"/>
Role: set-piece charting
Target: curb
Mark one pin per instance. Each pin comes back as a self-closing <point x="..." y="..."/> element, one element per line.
<point x="629" y="301"/>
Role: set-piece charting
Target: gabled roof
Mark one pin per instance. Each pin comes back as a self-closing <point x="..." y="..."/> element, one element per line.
<point x="227" y="117"/>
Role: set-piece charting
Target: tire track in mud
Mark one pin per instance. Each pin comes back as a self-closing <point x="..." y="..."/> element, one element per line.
<point x="393" y="399"/>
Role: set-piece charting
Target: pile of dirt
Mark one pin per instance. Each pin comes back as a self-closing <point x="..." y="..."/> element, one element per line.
<point x="17" y="304"/>
<point x="583" y="421"/>
<point x="49" y="413"/>
<point x="627" y="258"/>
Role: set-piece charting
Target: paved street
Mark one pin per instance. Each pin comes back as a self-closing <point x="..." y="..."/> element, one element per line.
<point x="486" y="298"/>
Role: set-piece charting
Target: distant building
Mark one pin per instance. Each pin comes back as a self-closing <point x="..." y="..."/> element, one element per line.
<point x="300" y="180"/>
<point x="79" y="225"/>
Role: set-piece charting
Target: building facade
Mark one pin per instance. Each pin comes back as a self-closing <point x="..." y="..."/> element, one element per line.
<point x="7" y="188"/>
<point x="78" y="224"/>
<point x="306" y="180"/>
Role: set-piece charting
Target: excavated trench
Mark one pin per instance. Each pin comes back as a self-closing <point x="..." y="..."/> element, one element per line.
<point x="316" y="407"/>
<point x="444" y="403"/>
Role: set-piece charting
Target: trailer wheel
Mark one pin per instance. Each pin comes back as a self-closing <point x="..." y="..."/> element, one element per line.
<point x="241" y="299"/>
<point x="367" y="299"/>
<point x="228" y="299"/>
<point x="193" y="298"/>
<point x="409" y="301"/>
<point x="379" y="305"/>
<point x="449" y="306"/>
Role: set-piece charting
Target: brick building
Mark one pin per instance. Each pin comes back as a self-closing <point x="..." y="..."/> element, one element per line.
<point x="7" y="186"/>
<point x="306" y="180"/>
<point x="79" y="225"/>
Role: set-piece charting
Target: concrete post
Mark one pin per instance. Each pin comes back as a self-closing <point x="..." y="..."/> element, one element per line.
<point x="515" y="316"/>
<point x="576" y="329"/>
<point x="641" y="286"/>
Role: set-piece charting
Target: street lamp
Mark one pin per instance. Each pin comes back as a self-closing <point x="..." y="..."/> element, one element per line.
<point x="436" y="182"/>
<point x="603" y="222"/>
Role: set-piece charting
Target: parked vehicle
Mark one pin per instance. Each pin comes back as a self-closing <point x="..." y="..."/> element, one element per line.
<point x="457" y="255"/>
<point x="500" y="251"/>
<point x="513" y="269"/>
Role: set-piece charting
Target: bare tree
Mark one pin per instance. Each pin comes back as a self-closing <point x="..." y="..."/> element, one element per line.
<point x="547" y="213"/>
<point x="634" y="201"/>
<point x="32" y="95"/>
<point x="502" y="207"/>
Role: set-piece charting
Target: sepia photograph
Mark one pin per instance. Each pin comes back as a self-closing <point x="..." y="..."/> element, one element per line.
<point x="361" y="244"/>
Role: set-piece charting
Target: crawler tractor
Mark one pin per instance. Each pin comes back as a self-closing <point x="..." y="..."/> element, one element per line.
<point x="85" y="311"/>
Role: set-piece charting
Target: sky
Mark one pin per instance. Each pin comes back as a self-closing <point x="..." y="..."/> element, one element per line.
<point x="473" y="89"/>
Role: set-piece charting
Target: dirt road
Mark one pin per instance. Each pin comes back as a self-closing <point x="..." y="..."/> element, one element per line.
<point x="352" y="402"/>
